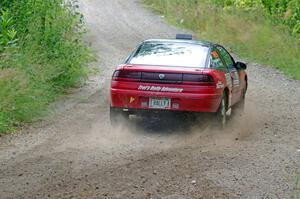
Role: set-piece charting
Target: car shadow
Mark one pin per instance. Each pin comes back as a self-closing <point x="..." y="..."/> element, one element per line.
<point x="166" y="124"/>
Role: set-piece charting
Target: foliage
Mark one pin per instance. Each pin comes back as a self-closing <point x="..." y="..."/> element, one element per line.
<point x="41" y="54"/>
<point x="285" y="12"/>
<point x="7" y="32"/>
<point x="250" y="34"/>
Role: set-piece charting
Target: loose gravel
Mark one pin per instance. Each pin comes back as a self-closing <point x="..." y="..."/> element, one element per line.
<point x="75" y="153"/>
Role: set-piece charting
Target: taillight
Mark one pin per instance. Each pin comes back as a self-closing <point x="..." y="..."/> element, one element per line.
<point x="199" y="78"/>
<point x="127" y="75"/>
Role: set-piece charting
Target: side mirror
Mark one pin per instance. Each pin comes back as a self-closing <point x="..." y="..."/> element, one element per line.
<point x="241" y="66"/>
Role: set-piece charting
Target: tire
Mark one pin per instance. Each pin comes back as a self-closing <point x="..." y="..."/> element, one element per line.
<point x="221" y="117"/>
<point x="240" y="107"/>
<point x="117" y="116"/>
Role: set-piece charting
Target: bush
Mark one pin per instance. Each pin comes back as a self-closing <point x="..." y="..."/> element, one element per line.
<point x="285" y="12"/>
<point x="7" y="31"/>
<point x="41" y="54"/>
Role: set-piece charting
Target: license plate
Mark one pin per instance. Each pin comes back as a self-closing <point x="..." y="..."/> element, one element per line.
<point x="159" y="103"/>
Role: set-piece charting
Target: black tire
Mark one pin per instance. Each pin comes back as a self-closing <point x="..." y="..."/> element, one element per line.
<point x="240" y="107"/>
<point x="221" y="117"/>
<point x="118" y="116"/>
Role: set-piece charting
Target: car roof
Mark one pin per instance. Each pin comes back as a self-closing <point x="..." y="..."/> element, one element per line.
<point x="197" y="42"/>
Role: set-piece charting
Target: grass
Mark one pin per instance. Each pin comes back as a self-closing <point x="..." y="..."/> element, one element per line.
<point x="296" y="194"/>
<point x="34" y="82"/>
<point x="48" y="58"/>
<point x="249" y="35"/>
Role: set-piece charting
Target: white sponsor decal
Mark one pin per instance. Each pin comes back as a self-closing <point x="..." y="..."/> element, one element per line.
<point x="220" y="85"/>
<point x="228" y="79"/>
<point x="160" y="89"/>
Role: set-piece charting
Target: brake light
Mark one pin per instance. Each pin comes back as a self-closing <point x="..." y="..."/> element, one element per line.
<point x="127" y="75"/>
<point x="199" y="78"/>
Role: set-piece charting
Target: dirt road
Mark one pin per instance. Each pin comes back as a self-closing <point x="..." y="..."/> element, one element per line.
<point x="76" y="154"/>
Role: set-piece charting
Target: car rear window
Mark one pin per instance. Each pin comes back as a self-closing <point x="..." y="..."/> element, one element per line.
<point x="170" y="54"/>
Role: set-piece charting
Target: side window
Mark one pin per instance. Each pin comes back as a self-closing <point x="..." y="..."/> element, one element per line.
<point x="216" y="61"/>
<point x="226" y="56"/>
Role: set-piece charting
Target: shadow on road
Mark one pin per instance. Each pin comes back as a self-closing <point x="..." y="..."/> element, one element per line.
<point x="170" y="123"/>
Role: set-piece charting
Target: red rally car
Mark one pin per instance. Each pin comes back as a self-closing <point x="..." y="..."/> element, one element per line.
<point x="178" y="75"/>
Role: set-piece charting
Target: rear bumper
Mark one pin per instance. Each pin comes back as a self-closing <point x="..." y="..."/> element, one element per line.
<point x="188" y="102"/>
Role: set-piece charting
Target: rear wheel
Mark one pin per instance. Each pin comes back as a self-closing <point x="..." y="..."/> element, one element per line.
<point x="241" y="104"/>
<point x="118" y="116"/>
<point x="221" y="117"/>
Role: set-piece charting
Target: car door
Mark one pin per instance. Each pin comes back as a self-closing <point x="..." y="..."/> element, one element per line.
<point x="217" y="63"/>
<point x="234" y="75"/>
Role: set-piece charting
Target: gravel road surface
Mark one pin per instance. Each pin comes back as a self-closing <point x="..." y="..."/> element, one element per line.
<point x="75" y="153"/>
